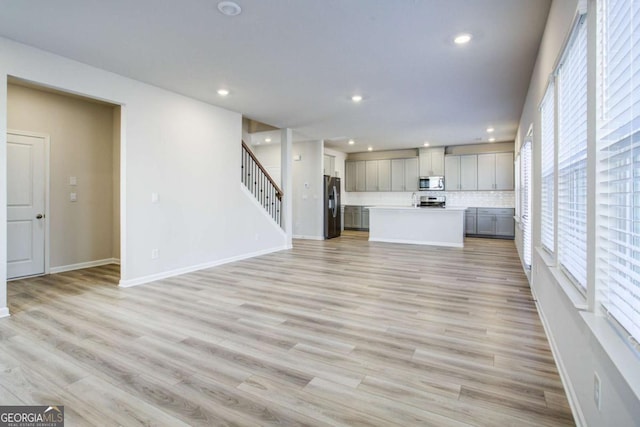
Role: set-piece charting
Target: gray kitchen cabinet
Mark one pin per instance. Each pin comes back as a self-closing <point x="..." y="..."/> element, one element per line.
<point x="460" y="172"/>
<point x="469" y="172"/>
<point x="371" y="181"/>
<point x="495" y="222"/>
<point x="365" y="218"/>
<point x="431" y="161"/>
<point x="452" y="173"/>
<point x="329" y="165"/>
<point x="505" y="225"/>
<point x="470" y="221"/>
<point x="361" y="175"/>
<point x="397" y="175"/>
<point x="495" y="171"/>
<point x="404" y="174"/>
<point x="485" y="224"/>
<point x="504" y="171"/>
<point x="384" y="175"/>
<point x="352" y="217"/>
<point x="350" y="176"/>
<point x="356" y="218"/>
<point x="378" y="175"/>
<point x="411" y="174"/>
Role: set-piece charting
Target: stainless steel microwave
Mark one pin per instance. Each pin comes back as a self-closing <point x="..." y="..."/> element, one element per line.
<point x="431" y="183"/>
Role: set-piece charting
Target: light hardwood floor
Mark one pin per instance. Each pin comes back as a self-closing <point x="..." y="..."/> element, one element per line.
<point x="341" y="332"/>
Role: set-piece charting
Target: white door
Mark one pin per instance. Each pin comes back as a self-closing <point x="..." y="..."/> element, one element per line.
<point x="25" y="205"/>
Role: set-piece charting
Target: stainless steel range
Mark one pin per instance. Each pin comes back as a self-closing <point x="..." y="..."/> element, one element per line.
<point x="433" y="201"/>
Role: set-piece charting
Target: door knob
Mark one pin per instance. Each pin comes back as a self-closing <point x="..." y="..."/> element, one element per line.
<point x="39" y="216"/>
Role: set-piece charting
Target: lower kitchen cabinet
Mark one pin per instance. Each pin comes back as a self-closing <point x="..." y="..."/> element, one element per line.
<point x="470" y="221"/>
<point x="356" y="218"/>
<point x="490" y="222"/>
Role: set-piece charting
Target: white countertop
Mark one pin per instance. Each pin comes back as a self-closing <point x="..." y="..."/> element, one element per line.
<point x="411" y="208"/>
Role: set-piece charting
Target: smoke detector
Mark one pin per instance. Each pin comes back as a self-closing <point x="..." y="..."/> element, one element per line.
<point x="229" y="8"/>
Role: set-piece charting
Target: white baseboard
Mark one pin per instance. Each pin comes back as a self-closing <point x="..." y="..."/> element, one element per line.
<point x="4" y="312"/>
<point x="166" y="274"/>
<point x="572" y="397"/>
<point x="81" y="265"/>
<point x="303" y="237"/>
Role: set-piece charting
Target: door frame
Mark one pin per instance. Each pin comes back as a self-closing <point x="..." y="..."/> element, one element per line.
<point x="47" y="228"/>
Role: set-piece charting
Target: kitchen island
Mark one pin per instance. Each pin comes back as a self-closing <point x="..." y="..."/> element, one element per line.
<point x="419" y="226"/>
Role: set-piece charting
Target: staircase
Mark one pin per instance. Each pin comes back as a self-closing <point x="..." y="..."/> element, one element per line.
<point x="263" y="187"/>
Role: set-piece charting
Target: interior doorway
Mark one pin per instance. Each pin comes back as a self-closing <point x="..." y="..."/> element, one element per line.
<point x="63" y="175"/>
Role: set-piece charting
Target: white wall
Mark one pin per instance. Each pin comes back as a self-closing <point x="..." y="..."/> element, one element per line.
<point x="185" y="150"/>
<point x="582" y="342"/>
<point x="81" y="145"/>
<point x="308" y="190"/>
<point x="270" y="158"/>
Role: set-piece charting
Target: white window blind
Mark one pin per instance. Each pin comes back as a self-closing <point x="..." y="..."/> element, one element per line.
<point x="548" y="178"/>
<point x="525" y="154"/>
<point x="572" y="157"/>
<point x="619" y="162"/>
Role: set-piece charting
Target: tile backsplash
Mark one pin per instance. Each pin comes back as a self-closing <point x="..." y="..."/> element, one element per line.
<point x="480" y="199"/>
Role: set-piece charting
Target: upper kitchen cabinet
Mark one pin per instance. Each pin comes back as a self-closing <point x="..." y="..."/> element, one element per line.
<point x="350" y="176"/>
<point x="461" y="173"/>
<point x="378" y="175"/>
<point x="411" y="176"/>
<point x="404" y="174"/>
<point x="432" y="161"/>
<point x="495" y="171"/>
<point x="329" y="165"/>
<point x="361" y="175"/>
<point x="355" y="176"/>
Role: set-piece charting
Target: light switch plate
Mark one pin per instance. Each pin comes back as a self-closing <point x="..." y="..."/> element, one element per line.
<point x="73" y="180"/>
<point x="73" y="197"/>
<point x="154" y="197"/>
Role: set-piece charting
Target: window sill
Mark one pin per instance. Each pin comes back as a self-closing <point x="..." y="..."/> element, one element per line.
<point x="577" y="299"/>
<point x="548" y="259"/>
<point x="621" y="355"/>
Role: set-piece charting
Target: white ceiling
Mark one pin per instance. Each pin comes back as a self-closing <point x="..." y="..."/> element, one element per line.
<point x="296" y="63"/>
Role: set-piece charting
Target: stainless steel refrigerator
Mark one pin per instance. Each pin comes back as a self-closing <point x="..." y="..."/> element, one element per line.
<point x="332" y="221"/>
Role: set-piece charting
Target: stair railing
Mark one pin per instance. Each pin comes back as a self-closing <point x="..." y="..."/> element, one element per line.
<point x="259" y="182"/>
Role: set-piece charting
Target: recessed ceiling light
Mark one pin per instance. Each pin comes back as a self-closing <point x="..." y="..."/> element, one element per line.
<point x="356" y="98"/>
<point x="370" y="149"/>
<point x="490" y="129"/>
<point x="492" y="140"/>
<point x="223" y="92"/>
<point x="267" y="140"/>
<point x="229" y="8"/>
<point x="463" y="38"/>
<point x="426" y="144"/>
<point x="351" y="142"/>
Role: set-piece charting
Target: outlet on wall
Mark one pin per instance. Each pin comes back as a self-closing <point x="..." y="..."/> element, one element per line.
<point x="596" y="390"/>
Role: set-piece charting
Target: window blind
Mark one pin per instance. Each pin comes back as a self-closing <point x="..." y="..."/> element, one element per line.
<point x="619" y="162"/>
<point x="572" y="157"/>
<point x="526" y="202"/>
<point x="547" y="185"/>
